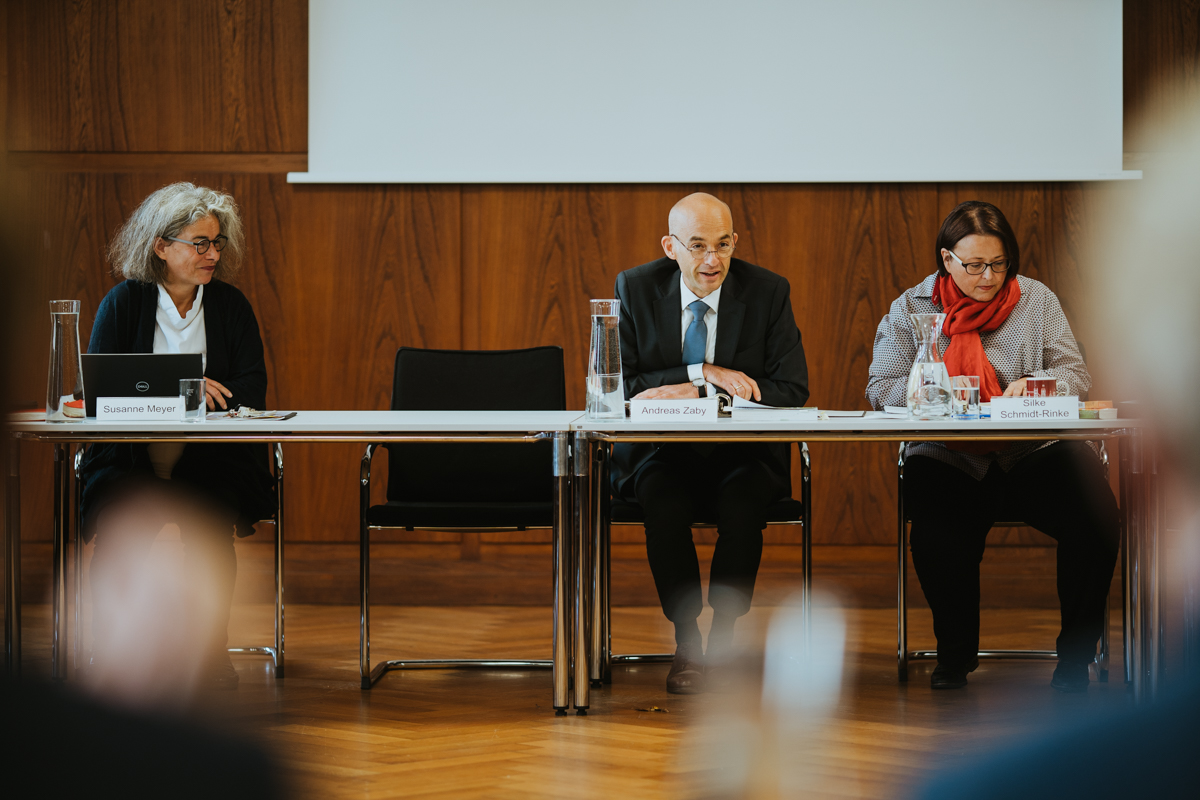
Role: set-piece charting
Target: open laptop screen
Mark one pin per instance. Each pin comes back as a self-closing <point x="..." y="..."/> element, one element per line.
<point x="136" y="375"/>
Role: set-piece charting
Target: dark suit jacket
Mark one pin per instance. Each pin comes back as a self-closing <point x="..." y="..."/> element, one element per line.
<point x="235" y="475"/>
<point x="756" y="334"/>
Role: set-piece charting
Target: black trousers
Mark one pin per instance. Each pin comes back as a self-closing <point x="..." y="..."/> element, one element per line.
<point x="1060" y="490"/>
<point x="730" y="484"/>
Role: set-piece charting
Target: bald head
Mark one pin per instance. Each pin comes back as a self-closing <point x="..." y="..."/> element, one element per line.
<point x="698" y="208"/>
<point x="701" y="241"/>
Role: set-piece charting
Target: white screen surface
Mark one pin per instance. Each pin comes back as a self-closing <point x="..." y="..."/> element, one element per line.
<point x="556" y="91"/>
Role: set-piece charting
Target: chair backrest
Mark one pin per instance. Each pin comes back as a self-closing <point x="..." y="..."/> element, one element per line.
<point x="475" y="380"/>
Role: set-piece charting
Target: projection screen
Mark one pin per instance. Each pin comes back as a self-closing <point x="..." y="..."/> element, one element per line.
<point x="636" y="91"/>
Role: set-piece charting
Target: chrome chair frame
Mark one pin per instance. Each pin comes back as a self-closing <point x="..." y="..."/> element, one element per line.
<point x="274" y="652"/>
<point x="368" y="675"/>
<point x="600" y="625"/>
<point x="904" y="655"/>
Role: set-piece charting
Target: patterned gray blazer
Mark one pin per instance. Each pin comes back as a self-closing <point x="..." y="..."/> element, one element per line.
<point x="1035" y="341"/>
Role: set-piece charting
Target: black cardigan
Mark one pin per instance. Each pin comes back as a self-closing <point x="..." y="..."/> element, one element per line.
<point x="235" y="476"/>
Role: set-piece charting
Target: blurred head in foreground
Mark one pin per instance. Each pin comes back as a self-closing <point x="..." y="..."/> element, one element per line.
<point x="158" y="611"/>
<point x="763" y="735"/>
<point x="1148" y="301"/>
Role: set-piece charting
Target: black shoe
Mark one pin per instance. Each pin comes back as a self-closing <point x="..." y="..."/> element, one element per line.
<point x="947" y="677"/>
<point x="220" y="673"/>
<point x="687" y="670"/>
<point x="1070" y="678"/>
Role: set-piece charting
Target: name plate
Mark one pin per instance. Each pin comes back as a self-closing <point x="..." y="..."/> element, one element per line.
<point x="1020" y="409"/>
<point x="139" y="409"/>
<point x="700" y="408"/>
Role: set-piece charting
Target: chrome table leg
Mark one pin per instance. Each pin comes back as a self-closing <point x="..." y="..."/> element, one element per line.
<point x="582" y="576"/>
<point x="278" y="453"/>
<point x="366" y="677"/>
<point x="598" y="657"/>
<point x="561" y="557"/>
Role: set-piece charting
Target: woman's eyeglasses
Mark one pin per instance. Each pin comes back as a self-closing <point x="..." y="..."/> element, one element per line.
<point x="999" y="266"/>
<point x="202" y="243"/>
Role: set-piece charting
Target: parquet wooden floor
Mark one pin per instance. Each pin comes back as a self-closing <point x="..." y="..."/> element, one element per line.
<point x="469" y="734"/>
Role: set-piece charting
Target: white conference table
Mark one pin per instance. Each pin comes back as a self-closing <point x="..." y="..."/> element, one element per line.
<point x="1138" y="496"/>
<point x="580" y="644"/>
<point x="306" y="426"/>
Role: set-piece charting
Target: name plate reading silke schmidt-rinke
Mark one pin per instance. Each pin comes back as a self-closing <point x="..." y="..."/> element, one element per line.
<point x="1026" y="409"/>
<point x="692" y="410"/>
<point x="139" y="409"/>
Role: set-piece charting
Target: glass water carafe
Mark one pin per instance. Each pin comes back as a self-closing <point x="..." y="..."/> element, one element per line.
<point x="928" y="395"/>
<point x="65" y="381"/>
<point x="605" y="389"/>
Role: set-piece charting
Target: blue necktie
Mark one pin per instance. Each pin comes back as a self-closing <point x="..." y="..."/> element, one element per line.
<point x="695" y="341"/>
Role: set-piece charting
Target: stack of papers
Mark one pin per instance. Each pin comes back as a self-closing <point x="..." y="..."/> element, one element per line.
<point x="750" y="411"/>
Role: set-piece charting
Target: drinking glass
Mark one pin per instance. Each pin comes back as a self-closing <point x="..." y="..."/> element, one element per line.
<point x="966" y="396"/>
<point x="1041" y="387"/>
<point x="191" y="391"/>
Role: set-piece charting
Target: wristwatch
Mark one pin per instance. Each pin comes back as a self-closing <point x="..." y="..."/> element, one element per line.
<point x="701" y="387"/>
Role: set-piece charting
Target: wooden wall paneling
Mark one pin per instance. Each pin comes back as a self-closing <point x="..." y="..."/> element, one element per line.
<point x="147" y="75"/>
<point x="1161" y="63"/>
<point x="369" y="270"/>
<point x="330" y="334"/>
<point x="534" y="255"/>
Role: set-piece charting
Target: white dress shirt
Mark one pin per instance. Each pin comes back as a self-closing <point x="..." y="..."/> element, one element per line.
<point x="176" y="334"/>
<point x="713" y="301"/>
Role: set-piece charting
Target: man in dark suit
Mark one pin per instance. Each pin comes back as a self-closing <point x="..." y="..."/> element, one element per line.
<point x="697" y="322"/>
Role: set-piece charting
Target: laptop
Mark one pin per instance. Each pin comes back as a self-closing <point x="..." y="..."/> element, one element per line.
<point x="136" y="375"/>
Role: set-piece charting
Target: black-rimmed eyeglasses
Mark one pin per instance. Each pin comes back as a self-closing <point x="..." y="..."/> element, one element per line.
<point x="700" y="251"/>
<point x="999" y="266"/>
<point x="202" y="243"/>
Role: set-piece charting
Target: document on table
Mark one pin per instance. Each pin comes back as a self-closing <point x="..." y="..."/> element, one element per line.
<point x="833" y="414"/>
<point x="748" y="410"/>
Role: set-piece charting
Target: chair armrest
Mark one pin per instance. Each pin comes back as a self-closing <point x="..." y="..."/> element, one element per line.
<point x="364" y="470"/>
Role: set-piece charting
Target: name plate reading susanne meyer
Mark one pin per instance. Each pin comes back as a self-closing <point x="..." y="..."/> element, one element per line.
<point x="139" y="409"/>
<point x="1025" y="409"/>
<point x="700" y="408"/>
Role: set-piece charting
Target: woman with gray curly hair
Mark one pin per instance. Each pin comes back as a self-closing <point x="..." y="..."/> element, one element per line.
<point x="175" y="252"/>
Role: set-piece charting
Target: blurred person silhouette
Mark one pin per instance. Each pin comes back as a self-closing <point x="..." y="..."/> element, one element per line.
<point x="1148" y="306"/>
<point x="175" y="252"/>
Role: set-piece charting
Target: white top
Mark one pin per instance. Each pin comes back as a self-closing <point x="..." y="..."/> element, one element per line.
<point x="176" y="334"/>
<point x="686" y="298"/>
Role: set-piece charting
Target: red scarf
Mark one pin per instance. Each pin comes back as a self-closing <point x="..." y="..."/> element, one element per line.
<point x="965" y="320"/>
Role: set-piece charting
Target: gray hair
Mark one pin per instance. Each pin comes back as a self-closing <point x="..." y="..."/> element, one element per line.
<point x="166" y="213"/>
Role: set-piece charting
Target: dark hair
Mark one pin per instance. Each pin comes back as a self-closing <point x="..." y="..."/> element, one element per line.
<point x="984" y="219"/>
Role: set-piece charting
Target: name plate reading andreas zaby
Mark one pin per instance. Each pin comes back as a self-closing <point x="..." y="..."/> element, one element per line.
<point x="1022" y="409"/>
<point x="700" y="408"/>
<point x="139" y="409"/>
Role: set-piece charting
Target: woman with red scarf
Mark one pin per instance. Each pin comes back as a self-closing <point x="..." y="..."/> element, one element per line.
<point x="1004" y="328"/>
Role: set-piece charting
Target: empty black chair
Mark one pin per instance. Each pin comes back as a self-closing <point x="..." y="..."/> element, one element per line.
<point x="463" y="486"/>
